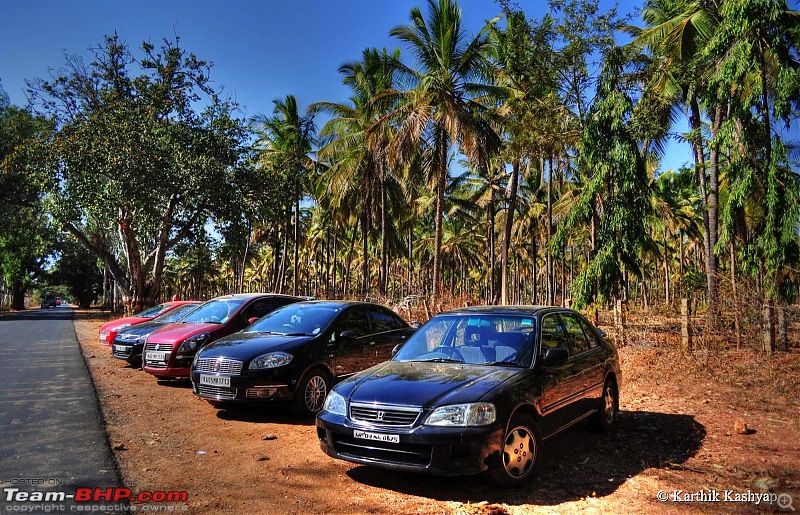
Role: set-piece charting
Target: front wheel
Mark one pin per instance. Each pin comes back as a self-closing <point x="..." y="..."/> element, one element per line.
<point x="520" y="454"/>
<point x="311" y="392"/>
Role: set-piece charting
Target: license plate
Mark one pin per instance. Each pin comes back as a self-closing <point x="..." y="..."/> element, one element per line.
<point x="156" y="356"/>
<point x="120" y="348"/>
<point x="215" y="380"/>
<point x="380" y="437"/>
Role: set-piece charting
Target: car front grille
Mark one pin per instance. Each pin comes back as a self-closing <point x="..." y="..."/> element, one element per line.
<point x="222" y="366"/>
<point x="383" y="415"/>
<point x="216" y="392"/>
<point x="122" y="353"/>
<point x="163" y="347"/>
<point x="160" y="347"/>
<point x="404" y="453"/>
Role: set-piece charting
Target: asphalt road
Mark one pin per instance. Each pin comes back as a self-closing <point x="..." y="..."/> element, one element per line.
<point x="51" y="430"/>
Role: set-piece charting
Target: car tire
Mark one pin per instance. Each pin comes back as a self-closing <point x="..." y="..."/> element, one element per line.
<point x="605" y="419"/>
<point x="310" y="394"/>
<point x="520" y="454"/>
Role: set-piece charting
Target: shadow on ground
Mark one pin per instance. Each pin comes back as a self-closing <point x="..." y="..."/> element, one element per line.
<point x="267" y="414"/>
<point x="576" y="464"/>
<point x="59" y="313"/>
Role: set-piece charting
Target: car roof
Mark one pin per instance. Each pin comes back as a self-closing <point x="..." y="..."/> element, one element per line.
<point x="341" y="303"/>
<point x="247" y="296"/>
<point x="505" y="310"/>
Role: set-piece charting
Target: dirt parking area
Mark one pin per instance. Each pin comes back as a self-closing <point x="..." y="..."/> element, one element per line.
<point x="677" y="434"/>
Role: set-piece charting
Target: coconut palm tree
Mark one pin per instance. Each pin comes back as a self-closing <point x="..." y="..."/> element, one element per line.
<point x="442" y="104"/>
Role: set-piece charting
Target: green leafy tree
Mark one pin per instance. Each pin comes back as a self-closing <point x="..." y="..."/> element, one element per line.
<point x="135" y="153"/>
<point x="76" y="270"/>
<point x="617" y="188"/>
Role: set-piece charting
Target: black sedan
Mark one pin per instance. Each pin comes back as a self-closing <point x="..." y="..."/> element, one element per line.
<point x="129" y="343"/>
<point x="295" y="354"/>
<point x="476" y="390"/>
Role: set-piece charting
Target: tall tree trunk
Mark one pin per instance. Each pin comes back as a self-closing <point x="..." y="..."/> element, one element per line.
<point x="511" y="202"/>
<point x="441" y="147"/>
<point x="534" y="271"/>
<point x="490" y="237"/>
<point x="364" y="253"/>
<point x="296" y="260"/>
<point x="18" y="295"/>
<point x="549" y="253"/>
<point x="710" y="257"/>
<point x="666" y="269"/>
<point x="384" y="273"/>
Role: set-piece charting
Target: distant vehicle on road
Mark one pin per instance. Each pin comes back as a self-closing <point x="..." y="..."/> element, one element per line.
<point x="49" y="301"/>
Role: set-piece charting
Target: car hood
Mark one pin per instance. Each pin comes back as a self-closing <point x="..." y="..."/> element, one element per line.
<point x="177" y="332"/>
<point x="415" y="383"/>
<point x="114" y="324"/>
<point x="247" y="345"/>
<point x="142" y="329"/>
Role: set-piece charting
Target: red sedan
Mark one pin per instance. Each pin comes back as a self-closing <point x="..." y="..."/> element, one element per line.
<point x="169" y="351"/>
<point x="109" y="330"/>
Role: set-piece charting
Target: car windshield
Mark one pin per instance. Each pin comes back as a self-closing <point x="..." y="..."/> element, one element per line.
<point x="152" y="312"/>
<point x="176" y="314"/>
<point x="217" y="311"/>
<point x="475" y="339"/>
<point x="296" y="319"/>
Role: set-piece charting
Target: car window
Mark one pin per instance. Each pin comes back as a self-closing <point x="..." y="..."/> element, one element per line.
<point x="354" y="319"/>
<point x="553" y="335"/>
<point x="258" y="309"/>
<point x="176" y="314"/>
<point x="577" y="339"/>
<point x="590" y="336"/>
<point x="383" y="321"/>
<point x="152" y="312"/>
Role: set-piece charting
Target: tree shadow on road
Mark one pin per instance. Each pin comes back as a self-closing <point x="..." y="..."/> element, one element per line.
<point x="575" y="464"/>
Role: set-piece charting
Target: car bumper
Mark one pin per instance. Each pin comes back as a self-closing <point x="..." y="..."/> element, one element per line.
<point x="435" y="450"/>
<point x="244" y="388"/>
<point x="130" y="353"/>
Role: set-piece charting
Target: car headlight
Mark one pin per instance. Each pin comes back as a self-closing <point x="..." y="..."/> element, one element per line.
<point x="270" y="360"/>
<point x="194" y="342"/>
<point x="335" y="404"/>
<point x="462" y="415"/>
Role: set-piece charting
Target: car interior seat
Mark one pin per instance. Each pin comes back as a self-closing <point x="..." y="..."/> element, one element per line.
<point x="476" y="348"/>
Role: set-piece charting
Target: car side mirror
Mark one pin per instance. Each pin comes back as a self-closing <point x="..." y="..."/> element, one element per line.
<point x="557" y="356"/>
<point x="251" y="320"/>
<point x="347" y="336"/>
<point x="602" y="333"/>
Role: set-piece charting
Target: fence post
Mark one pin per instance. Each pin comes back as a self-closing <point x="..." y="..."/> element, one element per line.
<point x="783" y="336"/>
<point x="619" y="322"/>
<point x="769" y="328"/>
<point x="686" y="329"/>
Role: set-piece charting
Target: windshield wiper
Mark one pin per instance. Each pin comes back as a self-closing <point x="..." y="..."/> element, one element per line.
<point x="504" y="363"/>
<point x="440" y="360"/>
<point x="297" y="334"/>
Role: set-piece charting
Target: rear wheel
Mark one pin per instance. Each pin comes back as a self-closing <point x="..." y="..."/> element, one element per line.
<point x="605" y="420"/>
<point x="311" y="392"/>
<point x="520" y="453"/>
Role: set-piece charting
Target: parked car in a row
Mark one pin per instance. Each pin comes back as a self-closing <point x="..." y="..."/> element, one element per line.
<point x="129" y="342"/>
<point x="294" y="354"/>
<point x="475" y="390"/>
<point x="169" y="351"/>
<point x="109" y="330"/>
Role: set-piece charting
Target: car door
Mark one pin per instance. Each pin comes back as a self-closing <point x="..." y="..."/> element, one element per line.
<point x="561" y="383"/>
<point x="596" y="366"/>
<point x="589" y="360"/>
<point x="349" y="354"/>
<point x="387" y="331"/>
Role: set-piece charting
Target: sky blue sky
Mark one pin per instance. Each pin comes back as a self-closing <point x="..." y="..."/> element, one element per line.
<point x="261" y="50"/>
